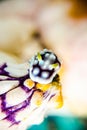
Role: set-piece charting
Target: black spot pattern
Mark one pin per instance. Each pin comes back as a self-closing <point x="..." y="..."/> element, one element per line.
<point x="47" y="58"/>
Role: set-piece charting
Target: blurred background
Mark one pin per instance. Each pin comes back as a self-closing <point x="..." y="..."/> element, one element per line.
<point x="28" y="26"/>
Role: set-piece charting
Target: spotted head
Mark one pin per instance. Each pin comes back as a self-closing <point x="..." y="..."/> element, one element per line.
<point x="44" y="66"/>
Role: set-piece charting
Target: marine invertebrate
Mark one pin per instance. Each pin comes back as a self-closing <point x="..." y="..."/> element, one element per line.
<point x="26" y="92"/>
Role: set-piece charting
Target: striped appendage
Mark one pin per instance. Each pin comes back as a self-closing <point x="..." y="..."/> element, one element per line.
<point x="21" y="98"/>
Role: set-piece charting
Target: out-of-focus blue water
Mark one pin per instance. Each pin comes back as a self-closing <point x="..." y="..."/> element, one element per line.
<point x="61" y="123"/>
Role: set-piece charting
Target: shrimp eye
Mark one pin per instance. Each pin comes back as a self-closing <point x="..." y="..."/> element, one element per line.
<point x="44" y="66"/>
